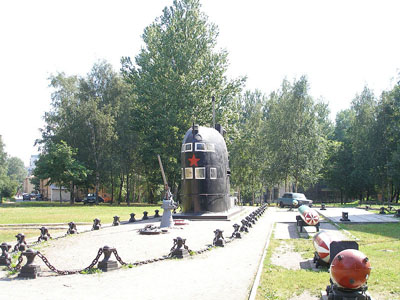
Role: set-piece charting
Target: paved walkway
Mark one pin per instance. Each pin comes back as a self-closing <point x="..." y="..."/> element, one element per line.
<point x="356" y="215"/>
<point x="286" y="228"/>
<point x="222" y="273"/>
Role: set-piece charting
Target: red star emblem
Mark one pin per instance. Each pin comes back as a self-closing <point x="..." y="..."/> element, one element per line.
<point x="193" y="161"/>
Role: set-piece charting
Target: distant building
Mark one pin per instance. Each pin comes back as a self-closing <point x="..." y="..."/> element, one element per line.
<point x="32" y="163"/>
<point x="27" y="186"/>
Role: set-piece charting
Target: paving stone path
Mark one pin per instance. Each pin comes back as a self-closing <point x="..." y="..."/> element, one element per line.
<point x="222" y="273"/>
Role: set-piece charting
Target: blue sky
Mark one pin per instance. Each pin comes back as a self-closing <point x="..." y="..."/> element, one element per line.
<point x="340" y="45"/>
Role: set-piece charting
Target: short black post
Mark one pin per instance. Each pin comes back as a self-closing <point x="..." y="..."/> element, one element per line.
<point x="116" y="221"/>
<point x="21" y="243"/>
<point x="145" y="217"/>
<point x="44" y="234"/>
<point x="219" y="240"/>
<point x="96" y="224"/>
<point x="244" y="226"/>
<point x="29" y="270"/>
<point x="179" y="249"/>
<point x="72" y="228"/>
<point x="397" y="214"/>
<point x="132" y="219"/>
<point x="323" y="207"/>
<point x="157" y="215"/>
<point x="382" y="211"/>
<point x="236" y="234"/>
<point x="5" y="258"/>
<point x="345" y="217"/>
<point x="106" y="264"/>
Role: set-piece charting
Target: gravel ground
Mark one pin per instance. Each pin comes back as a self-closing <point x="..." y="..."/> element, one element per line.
<point x="222" y="273"/>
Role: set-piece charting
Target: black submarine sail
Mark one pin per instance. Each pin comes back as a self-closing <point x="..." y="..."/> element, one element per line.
<point x="205" y="170"/>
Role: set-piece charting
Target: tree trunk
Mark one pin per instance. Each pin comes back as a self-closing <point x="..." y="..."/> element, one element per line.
<point x="134" y="189"/>
<point x="97" y="186"/>
<point x="60" y="194"/>
<point x="120" y="188"/>
<point x="341" y="196"/>
<point x="72" y="195"/>
<point x="127" y="189"/>
<point x="112" y="187"/>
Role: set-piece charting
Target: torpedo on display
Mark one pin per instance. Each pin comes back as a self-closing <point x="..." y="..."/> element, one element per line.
<point x="205" y="171"/>
<point x="322" y="243"/>
<point x="309" y="215"/>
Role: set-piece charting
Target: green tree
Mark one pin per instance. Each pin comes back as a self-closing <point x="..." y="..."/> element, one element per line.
<point x="16" y="169"/>
<point x="174" y="77"/>
<point x="361" y="135"/>
<point x="60" y="167"/>
<point x="296" y="134"/>
<point x="83" y="115"/>
<point x="247" y="154"/>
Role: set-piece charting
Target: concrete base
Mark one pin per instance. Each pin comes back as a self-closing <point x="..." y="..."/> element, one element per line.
<point x="214" y="216"/>
<point x="108" y="265"/>
<point x="29" y="271"/>
<point x="180" y="253"/>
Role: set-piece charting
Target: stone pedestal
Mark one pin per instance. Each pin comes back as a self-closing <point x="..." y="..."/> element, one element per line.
<point x="107" y="265"/>
<point x="29" y="271"/>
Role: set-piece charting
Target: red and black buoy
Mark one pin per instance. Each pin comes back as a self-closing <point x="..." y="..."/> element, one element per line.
<point x="349" y="272"/>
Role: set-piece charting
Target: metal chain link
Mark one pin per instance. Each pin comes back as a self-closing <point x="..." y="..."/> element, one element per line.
<point x="119" y="258"/>
<point x="54" y="269"/>
<point x="96" y="259"/>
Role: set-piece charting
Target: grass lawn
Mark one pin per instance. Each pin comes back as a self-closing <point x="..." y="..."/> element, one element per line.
<point x="42" y="212"/>
<point x="8" y="235"/>
<point x="45" y="212"/>
<point x="380" y="242"/>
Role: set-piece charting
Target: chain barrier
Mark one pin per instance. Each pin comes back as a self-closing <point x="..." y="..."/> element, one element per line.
<point x="119" y="258"/>
<point x="55" y="270"/>
<point x="96" y="259"/>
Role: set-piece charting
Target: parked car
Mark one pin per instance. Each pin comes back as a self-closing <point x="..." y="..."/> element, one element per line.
<point x="26" y="196"/>
<point x="287" y="200"/>
<point x="91" y="199"/>
<point x="39" y="197"/>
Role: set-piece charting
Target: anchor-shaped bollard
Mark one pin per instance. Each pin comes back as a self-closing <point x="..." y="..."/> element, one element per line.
<point x="106" y="264"/>
<point x="382" y="211"/>
<point x="5" y="258"/>
<point x="244" y="226"/>
<point x="72" y="228"/>
<point x="145" y="217"/>
<point x="44" y="234"/>
<point x="157" y="215"/>
<point x="116" y="221"/>
<point x="179" y="249"/>
<point x="21" y="243"/>
<point x="96" y="224"/>
<point x="236" y="234"/>
<point x="132" y="219"/>
<point x="29" y="270"/>
<point x="219" y="240"/>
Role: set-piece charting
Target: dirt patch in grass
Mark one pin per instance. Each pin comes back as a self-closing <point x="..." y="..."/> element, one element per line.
<point x="305" y="296"/>
<point x="286" y="257"/>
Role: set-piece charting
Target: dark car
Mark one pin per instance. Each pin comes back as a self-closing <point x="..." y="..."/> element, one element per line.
<point x="288" y="199"/>
<point x="39" y="197"/>
<point x="26" y="196"/>
<point x="91" y="199"/>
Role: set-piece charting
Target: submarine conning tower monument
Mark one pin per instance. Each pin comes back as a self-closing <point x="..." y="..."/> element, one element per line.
<point x="205" y="171"/>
